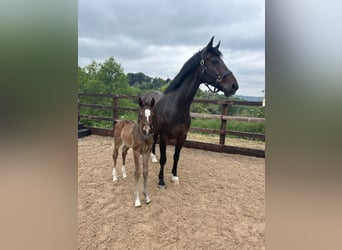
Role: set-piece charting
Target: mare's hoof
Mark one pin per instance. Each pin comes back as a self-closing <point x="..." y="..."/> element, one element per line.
<point x="137" y="204"/>
<point x="162" y="187"/>
<point x="148" y="201"/>
<point x="154" y="158"/>
<point x="175" y="180"/>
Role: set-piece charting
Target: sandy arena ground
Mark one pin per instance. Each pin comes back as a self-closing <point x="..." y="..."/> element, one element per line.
<point x="218" y="204"/>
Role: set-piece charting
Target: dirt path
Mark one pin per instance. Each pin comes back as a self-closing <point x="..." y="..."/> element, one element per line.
<point x="219" y="203"/>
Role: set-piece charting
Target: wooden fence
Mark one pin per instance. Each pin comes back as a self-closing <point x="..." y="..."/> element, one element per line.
<point x="222" y="132"/>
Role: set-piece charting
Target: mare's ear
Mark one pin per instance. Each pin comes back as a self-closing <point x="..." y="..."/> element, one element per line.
<point x="210" y="44"/>
<point x="140" y="102"/>
<point x="218" y="45"/>
<point x="152" y="102"/>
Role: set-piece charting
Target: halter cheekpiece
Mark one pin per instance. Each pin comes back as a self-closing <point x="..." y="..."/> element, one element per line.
<point x="218" y="78"/>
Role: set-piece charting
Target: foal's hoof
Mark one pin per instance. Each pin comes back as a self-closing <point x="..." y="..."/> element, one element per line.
<point x="175" y="180"/>
<point x="124" y="176"/>
<point x="137" y="204"/>
<point x="162" y="187"/>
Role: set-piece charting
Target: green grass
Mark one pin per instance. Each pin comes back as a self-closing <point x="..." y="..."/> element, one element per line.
<point x="231" y="125"/>
<point x="205" y="123"/>
<point x="246" y="127"/>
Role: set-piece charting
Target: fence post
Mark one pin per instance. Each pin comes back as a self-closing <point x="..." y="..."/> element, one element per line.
<point x="115" y="109"/>
<point x="223" y="123"/>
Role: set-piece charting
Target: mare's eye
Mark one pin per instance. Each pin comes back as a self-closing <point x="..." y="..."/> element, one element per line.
<point x="215" y="62"/>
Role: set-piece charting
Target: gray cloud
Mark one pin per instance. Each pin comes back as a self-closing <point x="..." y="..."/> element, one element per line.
<point x="157" y="37"/>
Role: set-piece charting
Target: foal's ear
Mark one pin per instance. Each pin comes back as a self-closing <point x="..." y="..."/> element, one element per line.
<point x="152" y="102"/>
<point x="140" y="102"/>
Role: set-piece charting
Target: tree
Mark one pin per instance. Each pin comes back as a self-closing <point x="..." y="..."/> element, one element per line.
<point x="138" y="78"/>
<point x="107" y="77"/>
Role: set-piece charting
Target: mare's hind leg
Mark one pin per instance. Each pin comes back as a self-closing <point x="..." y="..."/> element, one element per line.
<point x="136" y="156"/>
<point x="153" y="153"/>
<point x="145" y="174"/>
<point x="123" y="168"/>
<point x="178" y="147"/>
<point x="162" y="147"/>
<point x="117" y="145"/>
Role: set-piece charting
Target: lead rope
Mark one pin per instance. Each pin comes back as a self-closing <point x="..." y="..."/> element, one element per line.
<point x="212" y="91"/>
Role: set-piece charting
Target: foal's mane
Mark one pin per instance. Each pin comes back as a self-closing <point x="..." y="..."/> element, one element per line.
<point x="190" y="65"/>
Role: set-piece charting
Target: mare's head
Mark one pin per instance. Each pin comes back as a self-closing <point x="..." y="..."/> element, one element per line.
<point x="145" y="116"/>
<point x="215" y="72"/>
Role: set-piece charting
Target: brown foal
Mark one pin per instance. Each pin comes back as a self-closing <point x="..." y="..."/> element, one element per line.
<point x="138" y="136"/>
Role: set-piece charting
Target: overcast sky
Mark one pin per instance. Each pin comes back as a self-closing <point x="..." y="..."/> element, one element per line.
<point x="157" y="37"/>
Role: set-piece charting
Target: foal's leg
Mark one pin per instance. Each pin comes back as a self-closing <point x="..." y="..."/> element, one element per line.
<point x="123" y="168"/>
<point x="162" y="147"/>
<point x="117" y="145"/>
<point x="153" y="153"/>
<point x="145" y="174"/>
<point x="136" y="155"/>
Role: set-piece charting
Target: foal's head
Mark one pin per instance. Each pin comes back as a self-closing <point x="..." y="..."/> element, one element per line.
<point x="145" y="116"/>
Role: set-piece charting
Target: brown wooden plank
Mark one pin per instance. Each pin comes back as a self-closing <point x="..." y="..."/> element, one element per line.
<point x="246" y="134"/>
<point x="227" y="117"/>
<point x="95" y="95"/>
<point x="96" y="106"/>
<point x="98" y="118"/>
<point x="225" y="148"/>
<point x="228" y="132"/>
<point x="206" y="130"/>
<point x="229" y="102"/>
<point x="128" y="109"/>
<point x="101" y="131"/>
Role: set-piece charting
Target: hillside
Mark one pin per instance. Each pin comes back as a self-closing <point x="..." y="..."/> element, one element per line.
<point x="250" y="98"/>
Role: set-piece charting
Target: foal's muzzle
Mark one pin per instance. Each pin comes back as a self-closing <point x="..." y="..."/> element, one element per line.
<point x="147" y="130"/>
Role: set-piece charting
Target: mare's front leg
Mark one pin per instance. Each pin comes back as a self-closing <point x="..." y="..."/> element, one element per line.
<point x="136" y="155"/>
<point x="153" y="153"/>
<point x="178" y="147"/>
<point x="145" y="174"/>
<point x="162" y="147"/>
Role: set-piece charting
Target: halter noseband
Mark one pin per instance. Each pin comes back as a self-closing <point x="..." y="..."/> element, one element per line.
<point x="218" y="78"/>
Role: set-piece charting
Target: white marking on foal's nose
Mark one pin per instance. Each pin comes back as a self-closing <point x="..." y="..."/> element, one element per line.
<point x="147" y="114"/>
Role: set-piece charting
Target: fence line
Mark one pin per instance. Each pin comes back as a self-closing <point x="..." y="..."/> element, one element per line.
<point x="222" y="132"/>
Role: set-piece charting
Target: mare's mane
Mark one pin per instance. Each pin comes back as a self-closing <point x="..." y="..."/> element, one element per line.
<point x="192" y="63"/>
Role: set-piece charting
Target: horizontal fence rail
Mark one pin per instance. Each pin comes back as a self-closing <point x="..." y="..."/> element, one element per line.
<point x="222" y="132"/>
<point x="227" y="117"/>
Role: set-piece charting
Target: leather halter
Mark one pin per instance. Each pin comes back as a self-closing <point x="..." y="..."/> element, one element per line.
<point x="218" y="78"/>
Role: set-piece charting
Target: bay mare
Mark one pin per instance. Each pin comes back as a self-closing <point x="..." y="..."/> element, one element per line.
<point x="171" y="118"/>
<point x="138" y="136"/>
